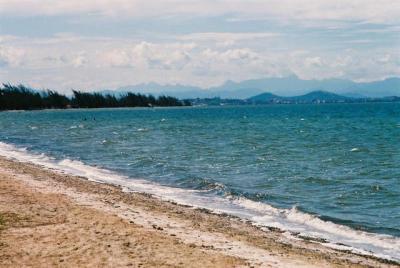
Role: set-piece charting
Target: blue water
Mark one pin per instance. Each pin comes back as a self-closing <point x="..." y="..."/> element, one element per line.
<point x="340" y="162"/>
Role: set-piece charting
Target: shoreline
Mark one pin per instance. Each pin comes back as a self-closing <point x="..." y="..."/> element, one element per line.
<point x="292" y="223"/>
<point x="194" y="106"/>
<point x="218" y="238"/>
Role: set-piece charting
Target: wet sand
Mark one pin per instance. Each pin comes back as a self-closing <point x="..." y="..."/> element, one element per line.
<point x="53" y="219"/>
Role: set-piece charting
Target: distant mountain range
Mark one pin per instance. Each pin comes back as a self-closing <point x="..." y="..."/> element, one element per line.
<point x="316" y="97"/>
<point x="287" y="86"/>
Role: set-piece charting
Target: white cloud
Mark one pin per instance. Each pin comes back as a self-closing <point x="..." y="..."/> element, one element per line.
<point x="149" y="55"/>
<point x="239" y="56"/>
<point x="65" y="61"/>
<point x="116" y="58"/>
<point x="313" y="62"/>
<point x="10" y="56"/>
<point x="228" y="39"/>
<point x="349" y="64"/>
<point x="79" y="60"/>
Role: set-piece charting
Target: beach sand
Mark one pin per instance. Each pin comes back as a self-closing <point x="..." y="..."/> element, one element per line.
<point x="53" y="219"/>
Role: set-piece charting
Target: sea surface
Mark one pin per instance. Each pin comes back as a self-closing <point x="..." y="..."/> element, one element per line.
<point x="329" y="171"/>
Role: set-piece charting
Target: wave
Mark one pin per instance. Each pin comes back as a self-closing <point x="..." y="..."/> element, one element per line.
<point x="293" y="221"/>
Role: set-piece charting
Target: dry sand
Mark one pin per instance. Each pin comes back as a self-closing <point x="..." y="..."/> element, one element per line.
<point x="52" y="219"/>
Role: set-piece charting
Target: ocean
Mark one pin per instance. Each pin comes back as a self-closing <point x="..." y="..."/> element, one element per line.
<point x="329" y="171"/>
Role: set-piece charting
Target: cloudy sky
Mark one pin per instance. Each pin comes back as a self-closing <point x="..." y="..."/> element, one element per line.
<point x="98" y="44"/>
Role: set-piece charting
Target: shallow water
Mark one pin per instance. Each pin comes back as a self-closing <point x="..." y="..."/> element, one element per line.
<point x="340" y="162"/>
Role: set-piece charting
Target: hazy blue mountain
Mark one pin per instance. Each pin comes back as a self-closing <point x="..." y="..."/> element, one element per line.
<point x="264" y="97"/>
<point x="319" y="95"/>
<point x="387" y="87"/>
<point x="314" y="96"/>
<point x="286" y="86"/>
<point x="292" y="85"/>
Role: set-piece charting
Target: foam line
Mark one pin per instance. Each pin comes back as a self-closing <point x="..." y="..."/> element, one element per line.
<point x="261" y="214"/>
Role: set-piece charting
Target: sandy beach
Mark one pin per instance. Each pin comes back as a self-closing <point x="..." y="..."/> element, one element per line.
<point x="53" y="219"/>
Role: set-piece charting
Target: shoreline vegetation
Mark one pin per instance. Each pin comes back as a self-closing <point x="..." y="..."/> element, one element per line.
<point x="48" y="218"/>
<point x="24" y="98"/>
<point x="21" y="97"/>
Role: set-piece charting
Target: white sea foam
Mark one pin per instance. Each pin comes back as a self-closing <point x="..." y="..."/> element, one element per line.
<point x="338" y="236"/>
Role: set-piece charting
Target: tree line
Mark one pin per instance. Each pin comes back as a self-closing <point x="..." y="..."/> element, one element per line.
<point x="23" y="98"/>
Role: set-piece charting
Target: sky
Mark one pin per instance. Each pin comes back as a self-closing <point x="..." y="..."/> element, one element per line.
<point x="101" y="44"/>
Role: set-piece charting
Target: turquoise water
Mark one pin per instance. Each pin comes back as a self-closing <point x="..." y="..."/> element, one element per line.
<point x="340" y="162"/>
